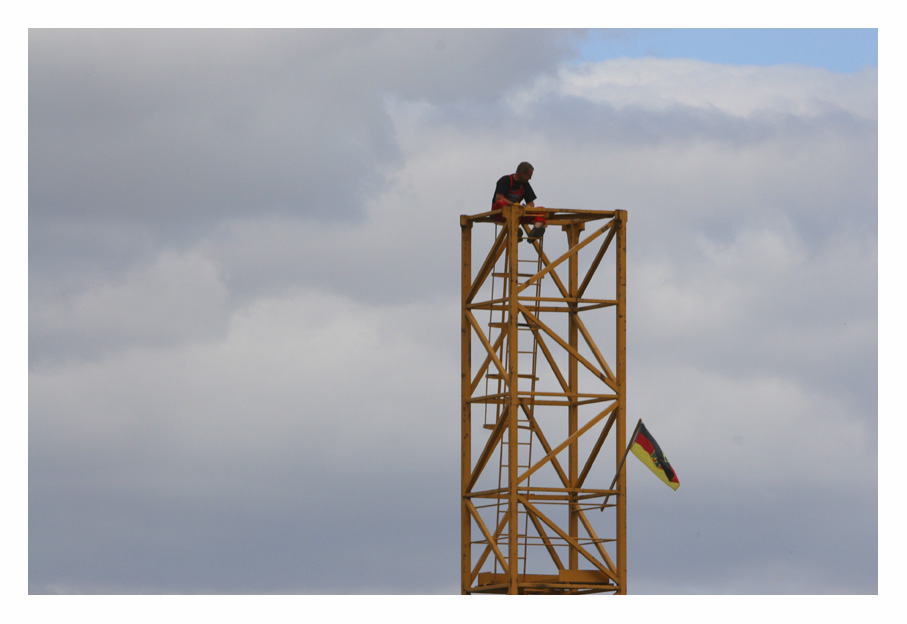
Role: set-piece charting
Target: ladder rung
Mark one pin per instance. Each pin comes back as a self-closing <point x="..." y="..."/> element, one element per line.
<point x="500" y="376"/>
<point x="526" y="427"/>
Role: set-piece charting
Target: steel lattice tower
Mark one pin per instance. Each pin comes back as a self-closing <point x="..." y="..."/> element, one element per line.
<point x="544" y="413"/>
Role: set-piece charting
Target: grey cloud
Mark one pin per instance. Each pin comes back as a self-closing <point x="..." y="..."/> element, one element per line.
<point x="178" y="300"/>
<point x="171" y="140"/>
<point x="326" y="534"/>
<point x="767" y="287"/>
<point x="202" y="124"/>
<point x="762" y="543"/>
<point x="143" y="139"/>
<point x="266" y="447"/>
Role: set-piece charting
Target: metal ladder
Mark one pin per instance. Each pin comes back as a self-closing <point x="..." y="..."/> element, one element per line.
<point x="525" y="437"/>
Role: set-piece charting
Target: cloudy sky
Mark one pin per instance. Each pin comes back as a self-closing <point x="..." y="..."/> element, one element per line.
<point x="243" y="298"/>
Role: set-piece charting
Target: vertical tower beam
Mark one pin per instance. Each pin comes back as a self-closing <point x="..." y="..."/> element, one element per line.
<point x="620" y="219"/>
<point x="573" y="231"/>
<point x="512" y="214"/>
<point x="465" y="407"/>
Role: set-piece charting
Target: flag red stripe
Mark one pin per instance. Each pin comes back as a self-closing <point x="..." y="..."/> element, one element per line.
<point x="644" y="442"/>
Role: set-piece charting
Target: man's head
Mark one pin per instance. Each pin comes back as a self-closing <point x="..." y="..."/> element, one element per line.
<point x="523" y="172"/>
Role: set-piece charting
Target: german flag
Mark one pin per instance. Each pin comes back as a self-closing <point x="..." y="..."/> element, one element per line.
<point x="647" y="450"/>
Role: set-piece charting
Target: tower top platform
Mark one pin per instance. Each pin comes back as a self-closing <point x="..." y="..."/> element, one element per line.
<point x="555" y="216"/>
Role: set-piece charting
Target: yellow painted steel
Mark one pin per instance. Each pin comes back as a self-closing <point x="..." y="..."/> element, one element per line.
<point x="550" y="389"/>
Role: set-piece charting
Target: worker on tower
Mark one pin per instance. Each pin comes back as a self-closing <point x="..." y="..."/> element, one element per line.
<point x="515" y="188"/>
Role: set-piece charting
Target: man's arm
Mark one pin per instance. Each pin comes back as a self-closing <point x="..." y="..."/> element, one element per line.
<point x="498" y="197"/>
<point x="530" y="195"/>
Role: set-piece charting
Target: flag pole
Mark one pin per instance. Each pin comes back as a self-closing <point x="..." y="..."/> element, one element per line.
<point x="621" y="465"/>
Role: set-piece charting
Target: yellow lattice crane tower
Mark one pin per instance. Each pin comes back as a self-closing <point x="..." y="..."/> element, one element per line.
<point x="544" y="411"/>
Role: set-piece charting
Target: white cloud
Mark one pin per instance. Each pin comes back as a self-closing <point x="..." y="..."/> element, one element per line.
<point x="311" y="375"/>
<point x="178" y="298"/>
<point x="754" y="432"/>
<point x="664" y="84"/>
